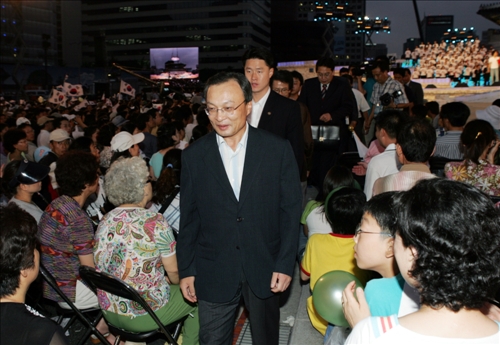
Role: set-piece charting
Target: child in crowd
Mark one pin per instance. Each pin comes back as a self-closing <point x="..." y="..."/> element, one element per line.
<point x="334" y="251"/>
<point x="313" y="218"/>
<point x="374" y="250"/>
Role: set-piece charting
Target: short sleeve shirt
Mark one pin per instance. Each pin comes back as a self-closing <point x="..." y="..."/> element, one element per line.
<point x="130" y="244"/>
<point x="65" y="232"/>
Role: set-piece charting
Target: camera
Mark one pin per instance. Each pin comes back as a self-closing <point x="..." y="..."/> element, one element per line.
<point x="387" y="97"/>
<point x="357" y="72"/>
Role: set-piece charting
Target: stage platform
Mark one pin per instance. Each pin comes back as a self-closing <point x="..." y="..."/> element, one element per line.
<point x="476" y="97"/>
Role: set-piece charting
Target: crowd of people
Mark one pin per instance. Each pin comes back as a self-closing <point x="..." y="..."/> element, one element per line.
<point x="467" y="62"/>
<point x="192" y="202"/>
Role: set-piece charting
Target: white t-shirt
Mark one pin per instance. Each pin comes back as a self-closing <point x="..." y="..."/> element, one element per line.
<point x="493" y="61"/>
<point x="388" y="331"/>
<point x="361" y="102"/>
<point x="381" y="165"/>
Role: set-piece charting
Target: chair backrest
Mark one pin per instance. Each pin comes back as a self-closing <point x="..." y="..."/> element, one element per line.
<point x="49" y="279"/>
<point x="115" y="286"/>
<point x="90" y="324"/>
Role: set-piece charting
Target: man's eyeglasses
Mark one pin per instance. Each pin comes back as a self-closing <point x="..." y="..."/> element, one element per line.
<point x="281" y="90"/>
<point x="359" y="231"/>
<point x="323" y="75"/>
<point x="228" y="111"/>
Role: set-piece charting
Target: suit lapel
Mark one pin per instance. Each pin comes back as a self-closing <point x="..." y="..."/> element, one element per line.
<point x="214" y="164"/>
<point x="331" y="89"/>
<point x="267" y="111"/>
<point x="253" y="160"/>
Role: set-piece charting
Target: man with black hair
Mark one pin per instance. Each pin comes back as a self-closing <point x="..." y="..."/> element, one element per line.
<point x="384" y="85"/>
<point x="398" y="74"/>
<point x="282" y="83"/>
<point x="332" y="107"/>
<point x="415" y="87"/>
<point x="433" y="112"/>
<point x="387" y="126"/>
<point x="276" y="114"/>
<point x="298" y="81"/>
<point x="453" y="117"/>
<point x="415" y="144"/>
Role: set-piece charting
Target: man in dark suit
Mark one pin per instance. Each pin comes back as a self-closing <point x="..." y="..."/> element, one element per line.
<point x="416" y="88"/>
<point x="331" y="103"/>
<point x="270" y="111"/>
<point x="240" y="211"/>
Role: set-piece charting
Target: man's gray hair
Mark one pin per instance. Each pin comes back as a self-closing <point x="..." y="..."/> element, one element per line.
<point x="125" y="180"/>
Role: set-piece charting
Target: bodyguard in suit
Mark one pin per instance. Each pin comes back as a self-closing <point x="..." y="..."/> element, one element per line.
<point x="270" y="111"/>
<point x="331" y="103"/>
<point x="240" y="211"/>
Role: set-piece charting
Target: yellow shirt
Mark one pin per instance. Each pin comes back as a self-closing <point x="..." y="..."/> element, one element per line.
<point x="325" y="253"/>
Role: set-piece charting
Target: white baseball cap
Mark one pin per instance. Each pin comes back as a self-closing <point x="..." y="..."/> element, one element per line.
<point x="124" y="140"/>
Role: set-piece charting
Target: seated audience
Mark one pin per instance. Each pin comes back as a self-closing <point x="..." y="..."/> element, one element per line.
<point x="374" y="250"/>
<point x="415" y="144"/>
<point x="66" y="233"/>
<point x="313" y="218"/>
<point x="23" y="179"/>
<point x="480" y="145"/>
<point x="387" y="125"/>
<point x="138" y="246"/>
<point x="453" y="116"/>
<point x="19" y="265"/>
<point x="334" y="251"/>
<point x="447" y="246"/>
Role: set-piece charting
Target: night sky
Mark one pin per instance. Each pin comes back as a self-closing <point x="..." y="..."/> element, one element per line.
<point x="404" y="24"/>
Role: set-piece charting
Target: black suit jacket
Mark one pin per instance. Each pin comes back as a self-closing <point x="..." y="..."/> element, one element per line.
<point x="281" y="116"/>
<point x="418" y="92"/>
<point x="339" y="101"/>
<point x="221" y="238"/>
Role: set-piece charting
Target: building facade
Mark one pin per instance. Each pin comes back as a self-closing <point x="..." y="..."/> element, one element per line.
<point x="124" y="31"/>
<point x="30" y="32"/>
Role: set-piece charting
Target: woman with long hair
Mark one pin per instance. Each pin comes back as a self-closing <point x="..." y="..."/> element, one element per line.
<point x="480" y="146"/>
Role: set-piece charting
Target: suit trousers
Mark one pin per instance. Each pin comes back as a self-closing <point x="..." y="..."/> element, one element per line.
<point x="217" y="319"/>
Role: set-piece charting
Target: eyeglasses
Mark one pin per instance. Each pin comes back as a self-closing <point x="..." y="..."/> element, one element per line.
<point x="281" y="90"/>
<point x="359" y="231"/>
<point x="228" y="111"/>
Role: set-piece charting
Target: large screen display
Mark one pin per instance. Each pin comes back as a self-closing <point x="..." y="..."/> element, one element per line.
<point x="174" y="63"/>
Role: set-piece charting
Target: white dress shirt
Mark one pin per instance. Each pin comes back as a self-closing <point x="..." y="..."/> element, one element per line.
<point x="234" y="161"/>
<point x="257" y="108"/>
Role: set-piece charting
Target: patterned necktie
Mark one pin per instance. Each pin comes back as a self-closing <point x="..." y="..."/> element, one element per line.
<point x="323" y="92"/>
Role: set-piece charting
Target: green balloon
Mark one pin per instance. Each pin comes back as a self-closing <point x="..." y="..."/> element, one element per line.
<point x="327" y="296"/>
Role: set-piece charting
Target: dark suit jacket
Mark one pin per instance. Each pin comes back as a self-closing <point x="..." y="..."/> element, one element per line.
<point x="418" y="92"/>
<point x="281" y="116"/>
<point x="339" y="101"/>
<point x="221" y="238"/>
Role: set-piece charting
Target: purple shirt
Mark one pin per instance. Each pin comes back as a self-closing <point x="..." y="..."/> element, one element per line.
<point x="65" y="232"/>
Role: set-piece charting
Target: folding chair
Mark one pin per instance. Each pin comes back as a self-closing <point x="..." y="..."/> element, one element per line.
<point x="115" y="286"/>
<point x="74" y="312"/>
